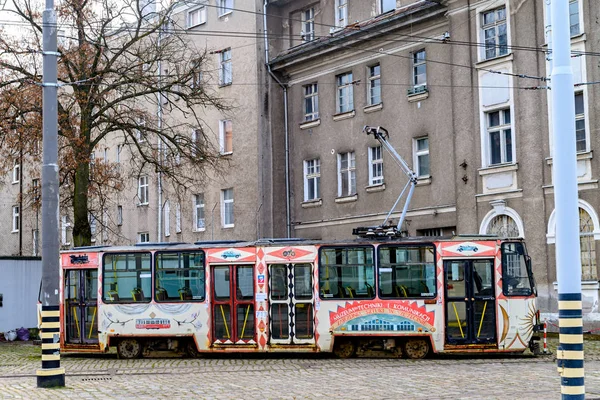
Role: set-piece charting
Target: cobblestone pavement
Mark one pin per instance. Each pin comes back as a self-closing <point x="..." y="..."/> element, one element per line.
<point x="292" y="377"/>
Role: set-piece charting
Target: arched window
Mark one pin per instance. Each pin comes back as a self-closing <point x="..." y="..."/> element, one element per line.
<point x="504" y="226"/>
<point x="588" y="245"/>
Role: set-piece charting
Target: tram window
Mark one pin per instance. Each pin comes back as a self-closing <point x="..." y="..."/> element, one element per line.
<point x="407" y="272"/>
<point x="179" y="276"/>
<point x="245" y="288"/>
<point x="346" y="273"/>
<point x="517" y="277"/>
<point x="127" y="278"/>
<point x="303" y="281"/>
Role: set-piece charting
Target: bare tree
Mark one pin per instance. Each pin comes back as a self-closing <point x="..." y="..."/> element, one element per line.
<point x="119" y="63"/>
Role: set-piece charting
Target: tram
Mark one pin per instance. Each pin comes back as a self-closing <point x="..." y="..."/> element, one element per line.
<point x="393" y="296"/>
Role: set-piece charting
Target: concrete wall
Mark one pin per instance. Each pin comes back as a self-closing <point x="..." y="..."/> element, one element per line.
<point x="19" y="286"/>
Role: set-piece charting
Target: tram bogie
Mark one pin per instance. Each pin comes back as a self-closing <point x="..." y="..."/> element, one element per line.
<point x="397" y="298"/>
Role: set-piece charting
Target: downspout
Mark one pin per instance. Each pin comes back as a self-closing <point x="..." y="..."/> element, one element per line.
<point x="159" y="144"/>
<point x="285" y="117"/>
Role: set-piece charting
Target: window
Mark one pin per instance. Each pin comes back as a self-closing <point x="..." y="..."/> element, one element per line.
<point x="503" y="226"/>
<point x="226" y="136"/>
<point x="406" y="272"/>
<point x="574" y="17"/>
<point x="119" y="150"/>
<point x="375" y="166"/>
<point x="421" y="150"/>
<point x="374" y="85"/>
<point x="119" y="215"/>
<point x="167" y="212"/>
<point x="312" y="179"/>
<point x="35" y="191"/>
<point x="499" y="137"/>
<point x="341" y="16"/>
<point x="199" y="222"/>
<point x="167" y="27"/>
<point x="387" y="5"/>
<point x="346" y="273"/>
<point x="494" y="32"/>
<point x="196" y="17"/>
<point x="227" y="208"/>
<point x="517" y="278"/>
<point x="140" y="133"/>
<point x="64" y="233"/>
<point x="16" y="172"/>
<point x="127" y="277"/>
<point x="196" y="142"/>
<point x="36" y="242"/>
<point x="93" y="225"/>
<point x="346" y="174"/>
<point x="178" y="218"/>
<point x="180" y="277"/>
<point x="16" y="218"/>
<point x="311" y="102"/>
<point x="587" y="246"/>
<point x="143" y="237"/>
<point x="225" y="75"/>
<point x="308" y="25"/>
<point x="580" y="123"/>
<point x="225" y="7"/>
<point x="143" y="190"/>
<point x="419" y="69"/>
<point x="345" y="93"/>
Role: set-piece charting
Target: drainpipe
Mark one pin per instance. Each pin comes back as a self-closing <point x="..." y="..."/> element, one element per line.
<point x="159" y="177"/>
<point x="285" y="116"/>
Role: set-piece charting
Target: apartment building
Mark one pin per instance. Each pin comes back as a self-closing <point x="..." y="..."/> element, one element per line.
<point x="461" y="88"/>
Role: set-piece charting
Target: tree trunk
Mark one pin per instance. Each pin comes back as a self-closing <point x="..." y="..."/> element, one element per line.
<point x="82" y="233"/>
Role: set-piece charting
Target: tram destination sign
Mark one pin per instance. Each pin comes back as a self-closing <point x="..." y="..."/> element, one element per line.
<point x="152" y="323"/>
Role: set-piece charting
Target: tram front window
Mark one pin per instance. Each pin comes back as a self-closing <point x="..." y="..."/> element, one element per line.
<point x="179" y="276"/>
<point x="517" y="277"/>
<point x="406" y="272"/>
<point x="346" y="273"/>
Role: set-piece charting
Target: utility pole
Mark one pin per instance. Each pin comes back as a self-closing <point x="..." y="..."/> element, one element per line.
<point x="568" y="258"/>
<point x="51" y="374"/>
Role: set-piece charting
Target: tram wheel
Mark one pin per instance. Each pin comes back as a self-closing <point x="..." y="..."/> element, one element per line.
<point x="344" y="349"/>
<point x="128" y="349"/>
<point x="416" y="348"/>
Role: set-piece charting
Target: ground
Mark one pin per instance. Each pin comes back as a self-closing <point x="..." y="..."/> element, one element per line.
<point x="292" y="377"/>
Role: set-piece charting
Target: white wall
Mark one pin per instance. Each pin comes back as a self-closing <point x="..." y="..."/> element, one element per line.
<point x="19" y="284"/>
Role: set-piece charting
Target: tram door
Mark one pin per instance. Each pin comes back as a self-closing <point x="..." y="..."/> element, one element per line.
<point x="470" y="302"/>
<point x="291" y="304"/>
<point x="233" y="304"/>
<point x="81" y="306"/>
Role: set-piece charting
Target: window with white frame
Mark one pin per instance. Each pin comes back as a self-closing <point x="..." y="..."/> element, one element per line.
<point x="227" y="208"/>
<point x="167" y="212"/>
<point x="143" y="237"/>
<point x="580" y="134"/>
<point x="35" y="189"/>
<point x="312" y="179"/>
<point x="168" y="27"/>
<point x="225" y="74"/>
<point x="494" y="32"/>
<point x="93" y="225"/>
<point x="199" y="220"/>
<point x="225" y="7"/>
<point x="64" y="230"/>
<point x="119" y="150"/>
<point x="140" y="133"/>
<point x="119" y="215"/>
<point x="374" y="85"/>
<point x="421" y="160"/>
<point x="503" y="226"/>
<point x="311" y="102"/>
<point x="226" y="136"/>
<point x="419" y="69"/>
<point x="16" y="218"/>
<point x="35" y="242"/>
<point x="308" y="25"/>
<point x="346" y="174"/>
<point x="587" y="246"/>
<point x="345" y="93"/>
<point x="196" y="142"/>
<point x="178" y="218"/>
<point x="499" y="137"/>
<point x="375" y="166"/>
<point x="143" y="190"/>
<point x="574" y="17"/>
<point x="387" y="5"/>
<point x="16" y="172"/>
<point x="196" y="17"/>
<point x="341" y="13"/>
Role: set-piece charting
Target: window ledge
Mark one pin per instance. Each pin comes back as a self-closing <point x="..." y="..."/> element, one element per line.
<point x="228" y="13"/>
<point x="498" y="168"/>
<point x="424" y="180"/>
<point x="17" y="231"/>
<point x="493" y="61"/>
<point x="346" y="199"/>
<point x="199" y="230"/>
<point x="225" y="84"/>
<point x="585" y="155"/>
<point x="418" y="96"/>
<point x="194" y="26"/>
<point x="375" y="188"/>
<point x="310" y="124"/>
<point x="228" y="226"/>
<point x="312" y="203"/>
<point x="143" y="204"/>
<point x="346" y="115"/>
<point x="373" y="108"/>
<point x="581" y="37"/>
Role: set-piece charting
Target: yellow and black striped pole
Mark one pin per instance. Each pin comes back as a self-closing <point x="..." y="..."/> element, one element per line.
<point x="51" y="374"/>
<point x="570" y="352"/>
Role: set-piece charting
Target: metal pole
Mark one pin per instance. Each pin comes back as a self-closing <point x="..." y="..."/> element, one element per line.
<point x="51" y="374"/>
<point x="568" y="259"/>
